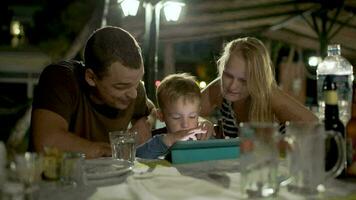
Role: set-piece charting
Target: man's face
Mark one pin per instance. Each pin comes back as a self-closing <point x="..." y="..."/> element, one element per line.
<point x="181" y="115"/>
<point x="118" y="87"/>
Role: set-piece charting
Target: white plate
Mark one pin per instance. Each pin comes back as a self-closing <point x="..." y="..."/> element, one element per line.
<point x="105" y="168"/>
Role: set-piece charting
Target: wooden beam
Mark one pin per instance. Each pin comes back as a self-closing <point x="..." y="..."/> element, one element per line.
<point x="203" y="18"/>
<point x="299" y="40"/>
<point x="176" y="31"/>
<point x="228" y="17"/>
<point x="199" y="37"/>
<point x="236" y="5"/>
<point x="346" y="36"/>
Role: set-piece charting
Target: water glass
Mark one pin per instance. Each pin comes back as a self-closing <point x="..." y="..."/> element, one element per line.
<point x="306" y="156"/>
<point x="71" y="170"/>
<point x="28" y="168"/>
<point x="259" y="159"/>
<point x="123" y="145"/>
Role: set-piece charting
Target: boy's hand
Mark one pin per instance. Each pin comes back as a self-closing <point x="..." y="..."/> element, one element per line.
<point x="208" y="126"/>
<point x="171" y="138"/>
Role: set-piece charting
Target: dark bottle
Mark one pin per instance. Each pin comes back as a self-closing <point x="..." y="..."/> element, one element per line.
<point x="351" y="137"/>
<point x="332" y="122"/>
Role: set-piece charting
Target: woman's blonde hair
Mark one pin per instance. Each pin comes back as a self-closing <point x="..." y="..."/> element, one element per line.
<point x="259" y="75"/>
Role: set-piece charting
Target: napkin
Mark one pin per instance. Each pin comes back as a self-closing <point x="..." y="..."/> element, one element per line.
<point x="161" y="184"/>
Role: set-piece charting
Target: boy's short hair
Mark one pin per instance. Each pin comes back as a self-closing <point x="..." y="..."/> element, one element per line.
<point x="175" y="86"/>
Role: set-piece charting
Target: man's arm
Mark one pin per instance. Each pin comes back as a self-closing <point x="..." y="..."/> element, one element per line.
<point x="50" y="129"/>
<point x="145" y="124"/>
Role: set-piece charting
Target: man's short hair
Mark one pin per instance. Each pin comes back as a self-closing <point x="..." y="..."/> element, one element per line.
<point x="111" y="44"/>
<point x="175" y="86"/>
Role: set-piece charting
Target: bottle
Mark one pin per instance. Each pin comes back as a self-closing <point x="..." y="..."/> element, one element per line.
<point x="351" y="137"/>
<point x="3" y="163"/>
<point x="332" y="122"/>
<point x="342" y="73"/>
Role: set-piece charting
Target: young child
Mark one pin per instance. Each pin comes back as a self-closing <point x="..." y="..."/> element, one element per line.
<point x="178" y="97"/>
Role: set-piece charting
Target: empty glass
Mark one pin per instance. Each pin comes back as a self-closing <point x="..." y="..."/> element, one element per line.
<point x="259" y="159"/>
<point x="306" y="156"/>
<point x="123" y="145"/>
<point x="28" y="167"/>
<point x="72" y="169"/>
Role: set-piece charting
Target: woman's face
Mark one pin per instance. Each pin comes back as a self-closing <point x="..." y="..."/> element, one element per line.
<point x="233" y="79"/>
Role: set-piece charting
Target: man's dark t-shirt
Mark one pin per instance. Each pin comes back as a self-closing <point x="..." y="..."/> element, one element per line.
<point x="63" y="90"/>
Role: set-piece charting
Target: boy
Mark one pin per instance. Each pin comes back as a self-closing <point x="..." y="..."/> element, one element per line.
<point x="178" y="98"/>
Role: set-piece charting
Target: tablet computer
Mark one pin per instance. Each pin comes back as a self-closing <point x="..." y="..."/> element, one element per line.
<point x="201" y="150"/>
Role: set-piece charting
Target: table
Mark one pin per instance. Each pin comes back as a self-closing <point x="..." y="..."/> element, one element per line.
<point x="220" y="173"/>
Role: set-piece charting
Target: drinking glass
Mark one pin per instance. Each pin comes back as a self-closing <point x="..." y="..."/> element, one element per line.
<point x="306" y="156"/>
<point x="123" y="145"/>
<point x="72" y="169"/>
<point x="259" y="159"/>
<point x="28" y="168"/>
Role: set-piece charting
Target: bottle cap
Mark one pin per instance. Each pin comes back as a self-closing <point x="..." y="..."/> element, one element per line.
<point x="334" y="49"/>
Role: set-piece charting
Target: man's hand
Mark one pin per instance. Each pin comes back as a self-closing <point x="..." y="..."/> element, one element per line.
<point x="208" y="126"/>
<point x="98" y="149"/>
<point x="143" y="128"/>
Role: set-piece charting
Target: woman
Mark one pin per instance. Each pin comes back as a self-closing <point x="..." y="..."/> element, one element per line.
<point x="247" y="91"/>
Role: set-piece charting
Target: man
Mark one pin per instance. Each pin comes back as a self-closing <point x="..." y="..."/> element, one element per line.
<point x="76" y="105"/>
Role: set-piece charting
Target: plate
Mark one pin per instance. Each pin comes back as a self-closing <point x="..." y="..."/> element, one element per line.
<point x="105" y="168"/>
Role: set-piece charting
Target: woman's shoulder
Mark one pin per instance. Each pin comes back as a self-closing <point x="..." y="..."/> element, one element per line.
<point x="213" y="87"/>
<point x="212" y="93"/>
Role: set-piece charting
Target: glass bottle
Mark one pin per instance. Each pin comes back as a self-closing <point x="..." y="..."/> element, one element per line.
<point x="3" y="163"/>
<point x="341" y="72"/>
<point x="351" y="138"/>
<point x="332" y="121"/>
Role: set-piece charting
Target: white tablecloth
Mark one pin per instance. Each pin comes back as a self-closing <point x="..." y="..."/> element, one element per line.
<point x="152" y="180"/>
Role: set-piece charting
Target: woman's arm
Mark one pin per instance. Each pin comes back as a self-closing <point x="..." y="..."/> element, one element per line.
<point x="286" y="108"/>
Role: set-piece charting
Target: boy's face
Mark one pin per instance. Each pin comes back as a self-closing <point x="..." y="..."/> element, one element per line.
<point x="180" y="115"/>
